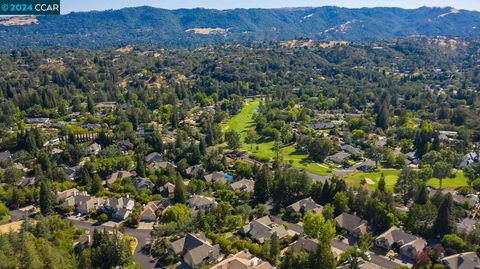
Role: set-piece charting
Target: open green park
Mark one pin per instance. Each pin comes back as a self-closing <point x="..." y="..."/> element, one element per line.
<point x="265" y="149"/>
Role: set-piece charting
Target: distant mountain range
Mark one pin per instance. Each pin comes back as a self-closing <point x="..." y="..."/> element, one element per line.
<point x="192" y="27"/>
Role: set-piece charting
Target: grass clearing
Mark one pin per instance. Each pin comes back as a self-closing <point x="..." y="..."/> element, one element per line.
<point x="13" y="226"/>
<point x="391" y="176"/>
<point x="265" y="149"/>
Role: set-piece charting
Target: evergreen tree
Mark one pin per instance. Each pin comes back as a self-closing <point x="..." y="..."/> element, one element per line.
<point x="444" y="223"/>
<point x="180" y="194"/>
<point x="274" y="248"/>
<point x="263" y="184"/>
<point x="382" y="117"/>
<point x="140" y="167"/>
<point x="381" y="183"/>
<point x="422" y="195"/>
<point x="97" y="185"/>
<point x="46" y="199"/>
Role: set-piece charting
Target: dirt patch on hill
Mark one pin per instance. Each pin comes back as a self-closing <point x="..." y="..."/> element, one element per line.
<point x="16" y="21"/>
<point x="207" y="31"/>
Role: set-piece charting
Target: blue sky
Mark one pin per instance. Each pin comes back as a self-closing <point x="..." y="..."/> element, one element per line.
<point x="87" y="5"/>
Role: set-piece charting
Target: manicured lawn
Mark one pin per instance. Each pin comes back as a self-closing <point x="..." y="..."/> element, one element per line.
<point x="265" y="149"/>
<point x="243" y="121"/>
<point x="460" y="180"/>
<point x="391" y="176"/>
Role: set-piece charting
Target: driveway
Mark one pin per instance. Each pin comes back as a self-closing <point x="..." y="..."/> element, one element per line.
<point x="142" y="236"/>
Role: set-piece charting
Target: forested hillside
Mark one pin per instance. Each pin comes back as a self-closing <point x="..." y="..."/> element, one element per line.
<point x="191" y="27"/>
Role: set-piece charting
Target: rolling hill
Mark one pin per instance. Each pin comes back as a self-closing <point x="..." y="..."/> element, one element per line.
<point x="192" y="27"/>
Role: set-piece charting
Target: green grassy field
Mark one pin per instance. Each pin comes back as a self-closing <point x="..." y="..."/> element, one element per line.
<point x="243" y="121"/>
<point x="391" y="176"/>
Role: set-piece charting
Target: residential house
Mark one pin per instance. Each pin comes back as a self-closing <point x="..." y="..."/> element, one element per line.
<point x="244" y="185"/>
<point x="69" y="172"/>
<point x="466" y="225"/>
<point x="309" y="245"/>
<point x="160" y="165"/>
<point x="339" y="157"/>
<point x="404" y="243"/>
<point x="351" y="149"/>
<point x="84" y="241"/>
<point x="243" y="260"/>
<point x="381" y="142"/>
<point x="469" y="159"/>
<point x="167" y="190"/>
<point x="142" y="183"/>
<point x="321" y="126"/>
<point x="149" y="212"/>
<point x="352" y="224"/>
<point x="467" y="260"/>
<point x="469" y="201"/>
<point x="62" y="195"/>
<point x="218" y="177"/>
<point x="83" y="203"/>
<point x="412" y="158"/>
<point x="120" y="208"/>
<point x="91" y="126"/>
<point x="195" y="249"/>
<point x="94" y="149"/>
<point x="118" y="175"/>
<point x="124" y="145"/>
<point x="198" y="202"/>
<point x="263" y="228"/>
<point x="304" y="205"/>
<point x="195" y="171"/>
<point x="153" y="157"/>
<point x="37" y="121"/>
<point x="106" y="105"/>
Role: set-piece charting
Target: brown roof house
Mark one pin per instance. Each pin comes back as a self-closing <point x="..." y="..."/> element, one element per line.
<point x="118" y="175"/>
<point x="216" y="177"/>
<point x="468" y="260"/>
<point x="83" y="203"/>
<point x="263" y="228"/>
<point x="404" y="243"/>
<point x="142" y="183"/>
<point x="309" y="245"/>
<point x="195" y="249"/>
<point x="153" y="157"/>
<point x="149" y="211"/>
<point x="304" y="205"/>
<point x="198" y="202"/>
<point x="167" y="190"/>
<point x="352" y="224"/>
<point x="62" y="195"/>
<point x="244" y="185"/>
<point x="121" y="208"/>
<point x="243" y="260"/>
